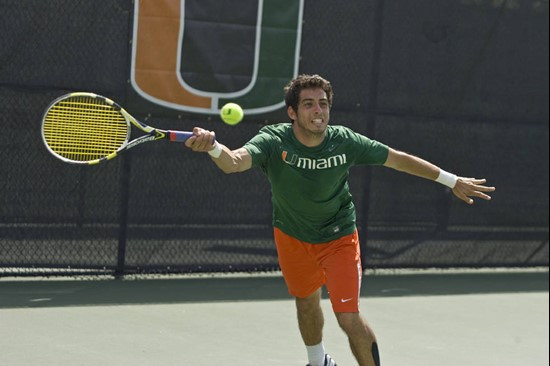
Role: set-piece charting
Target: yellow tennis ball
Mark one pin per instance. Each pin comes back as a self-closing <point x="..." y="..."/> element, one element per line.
<point x="231" y="113"/>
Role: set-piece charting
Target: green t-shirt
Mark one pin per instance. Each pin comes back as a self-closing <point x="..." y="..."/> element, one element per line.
<point x="309" y="185"/>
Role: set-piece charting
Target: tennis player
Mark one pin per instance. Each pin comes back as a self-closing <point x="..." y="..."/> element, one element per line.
<point x="307" y="163"/>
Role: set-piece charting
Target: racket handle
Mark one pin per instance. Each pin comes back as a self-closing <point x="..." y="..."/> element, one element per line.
<point x="179" y="136"/>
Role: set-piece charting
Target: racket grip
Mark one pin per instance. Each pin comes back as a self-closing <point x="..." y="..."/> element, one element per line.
<point x="179" y="136"/>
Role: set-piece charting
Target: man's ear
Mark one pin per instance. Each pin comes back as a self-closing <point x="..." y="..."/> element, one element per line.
<point x="291" y="113"/>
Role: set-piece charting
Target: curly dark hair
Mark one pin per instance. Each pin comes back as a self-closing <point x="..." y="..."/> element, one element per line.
<point x="295" y="86"/>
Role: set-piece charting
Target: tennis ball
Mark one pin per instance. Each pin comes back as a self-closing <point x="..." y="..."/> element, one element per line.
<point x="231" y="113"/>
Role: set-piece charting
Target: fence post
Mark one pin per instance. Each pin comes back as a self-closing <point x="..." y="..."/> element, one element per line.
<point x="371" y="116"/>
<point x="123" y="212"/>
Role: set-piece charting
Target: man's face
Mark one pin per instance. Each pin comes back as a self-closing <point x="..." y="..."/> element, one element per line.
<point x="312" y="118"/>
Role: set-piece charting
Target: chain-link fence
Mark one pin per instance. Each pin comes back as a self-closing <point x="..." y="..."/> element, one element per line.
<point x="463" y="84"/>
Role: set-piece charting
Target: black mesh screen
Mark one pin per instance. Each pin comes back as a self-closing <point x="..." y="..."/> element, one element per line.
<point x="462" y="84"/>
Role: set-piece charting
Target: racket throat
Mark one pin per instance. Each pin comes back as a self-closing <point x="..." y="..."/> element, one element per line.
<point x="154" y="135"/>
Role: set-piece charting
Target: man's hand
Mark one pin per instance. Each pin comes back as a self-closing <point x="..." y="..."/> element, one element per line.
<point x="201" y="141"/>
<point x="471" y="187"/>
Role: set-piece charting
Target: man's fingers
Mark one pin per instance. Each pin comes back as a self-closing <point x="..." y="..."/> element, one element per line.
<point x="484" y="188"/>
<point x="478" y="181"/>
<point x="482" y="195"/>
<point x="465" y="193"/>
<point x="463" y="196"/>
<point x="201" y="140"/>
<point x="476" y="184"/>
<point x="190" y="141"/>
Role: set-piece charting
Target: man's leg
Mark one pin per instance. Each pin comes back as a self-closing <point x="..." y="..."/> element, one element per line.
<point x="361" y="338"/>
<point x="344" y="273"/>
<point x="311" y="321"/>
<point x="310" y="318"/>
<point x="304" y="279"/>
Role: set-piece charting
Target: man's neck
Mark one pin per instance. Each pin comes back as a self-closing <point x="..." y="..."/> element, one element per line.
<point x="307" y="138"/>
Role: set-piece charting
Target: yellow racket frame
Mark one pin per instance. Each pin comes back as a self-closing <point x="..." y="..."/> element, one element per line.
<point x="86" y="128"/>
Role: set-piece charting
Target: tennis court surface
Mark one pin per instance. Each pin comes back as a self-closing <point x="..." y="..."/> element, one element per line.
<point x="421" y="319"/>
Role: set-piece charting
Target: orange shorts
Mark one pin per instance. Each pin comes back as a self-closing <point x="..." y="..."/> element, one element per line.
<point x="337" y="264"/>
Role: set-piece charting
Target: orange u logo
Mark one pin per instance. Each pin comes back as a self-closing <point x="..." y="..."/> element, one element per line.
<point x="157" y="57"/>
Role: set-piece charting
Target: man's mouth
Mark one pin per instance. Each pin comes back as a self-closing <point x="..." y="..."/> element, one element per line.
<point x="317" y="121"/>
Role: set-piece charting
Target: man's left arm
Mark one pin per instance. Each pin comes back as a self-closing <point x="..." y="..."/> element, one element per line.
<point x="463" y="188"/>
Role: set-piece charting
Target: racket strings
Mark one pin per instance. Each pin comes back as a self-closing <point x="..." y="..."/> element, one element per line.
<point x="84" y="128"/>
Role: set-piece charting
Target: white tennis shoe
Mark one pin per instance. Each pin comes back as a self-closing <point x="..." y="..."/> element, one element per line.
<point x="328" y="361"/>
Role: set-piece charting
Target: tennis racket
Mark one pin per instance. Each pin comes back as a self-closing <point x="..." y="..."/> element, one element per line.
<point x="86" y="128"/>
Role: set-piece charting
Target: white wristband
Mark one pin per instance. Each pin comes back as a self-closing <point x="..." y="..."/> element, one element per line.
<point x="216" y="151"/>
<point x="447" y="178"/>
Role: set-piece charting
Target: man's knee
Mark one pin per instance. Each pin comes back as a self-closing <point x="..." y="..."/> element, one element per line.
<point x="309" y="303"/>
<point x="349" y="321"/>
<point x="357" y="329"/>
<point x="354" y="325"/>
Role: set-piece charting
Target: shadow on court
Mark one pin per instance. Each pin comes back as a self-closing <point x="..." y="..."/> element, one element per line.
<point x="58" y="293"/>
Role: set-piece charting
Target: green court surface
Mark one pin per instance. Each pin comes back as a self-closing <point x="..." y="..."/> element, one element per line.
<point x="426" y="319"/>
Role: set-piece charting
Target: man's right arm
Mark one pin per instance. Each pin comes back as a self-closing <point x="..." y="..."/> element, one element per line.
<point x="229" y="161"/>
<point x="233" y="161"/>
